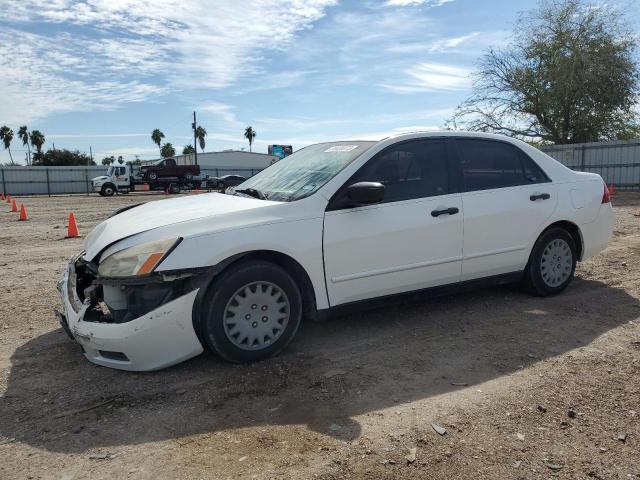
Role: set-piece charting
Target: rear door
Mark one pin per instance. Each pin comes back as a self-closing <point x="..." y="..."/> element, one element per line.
<point x="506" y="198"/>
<point x="169" y="168"/>
<point x="412" y="240"/>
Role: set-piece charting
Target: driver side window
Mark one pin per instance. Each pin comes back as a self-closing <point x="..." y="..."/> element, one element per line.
<point x="415" y="169"/>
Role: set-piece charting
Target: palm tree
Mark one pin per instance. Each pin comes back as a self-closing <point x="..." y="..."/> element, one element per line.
<point x="37" y="140"/>
<point x="250" y="134"/>
<point x="157" y="137"/>
<point x="167" y="150"/>
<point x="23" y="134"/>
<point x="200" y="134"/>
<point x="188" y="149"/>
<point x="6" y="135"/>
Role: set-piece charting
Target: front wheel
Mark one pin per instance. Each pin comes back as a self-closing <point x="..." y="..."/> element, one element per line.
<point x="152" y="176"/>
<point x="251" y="312"/>
<point x="220" y="185"/>
<point x="552" y="263"/>
<point x="107" y="191"/>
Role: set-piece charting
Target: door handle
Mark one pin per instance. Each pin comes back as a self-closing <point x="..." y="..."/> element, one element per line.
<point x="539" y="196"/>
<point x="446" y="211"/>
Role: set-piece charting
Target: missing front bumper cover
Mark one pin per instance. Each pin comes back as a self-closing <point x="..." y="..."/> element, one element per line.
<point x="158" y="338"/>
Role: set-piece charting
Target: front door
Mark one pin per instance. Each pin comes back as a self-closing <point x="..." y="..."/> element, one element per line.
<point x="412" y="240"/>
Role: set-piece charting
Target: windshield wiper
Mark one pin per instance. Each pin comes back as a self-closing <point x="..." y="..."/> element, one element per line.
<point x="253" y="192"/>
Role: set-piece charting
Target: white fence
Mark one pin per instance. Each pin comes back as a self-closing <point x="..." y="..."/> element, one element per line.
<point x="23" y="180"/>
<point x="616" y="162"/>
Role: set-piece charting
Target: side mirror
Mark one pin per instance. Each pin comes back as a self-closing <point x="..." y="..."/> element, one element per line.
<point x="364" y="193"/>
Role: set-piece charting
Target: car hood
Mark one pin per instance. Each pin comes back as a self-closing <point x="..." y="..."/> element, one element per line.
<point x="162" y="213"/>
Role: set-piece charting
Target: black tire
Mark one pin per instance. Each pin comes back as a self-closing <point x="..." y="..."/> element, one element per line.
<point x="188" y="176"/>
<point x="221" y="186"/>
<point x="107" y="191"/>
<point x="173" y="188"/>
<point x="152" y="176"/>
<point x="221" y="293"/>
<point x="535" y="279"/>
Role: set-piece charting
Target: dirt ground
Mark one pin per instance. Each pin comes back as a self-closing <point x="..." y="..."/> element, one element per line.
<point x="525" y="387"/>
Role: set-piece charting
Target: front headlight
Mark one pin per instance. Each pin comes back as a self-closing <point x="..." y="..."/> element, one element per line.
<point x="138" y="260"/>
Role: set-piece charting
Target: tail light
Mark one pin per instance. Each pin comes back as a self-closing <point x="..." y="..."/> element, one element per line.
<point x="606" y="198"/>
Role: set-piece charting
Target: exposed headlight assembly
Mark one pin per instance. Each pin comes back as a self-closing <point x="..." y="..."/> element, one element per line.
<point x="138" y="260"/>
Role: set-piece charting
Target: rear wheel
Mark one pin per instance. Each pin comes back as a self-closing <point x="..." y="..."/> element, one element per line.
<point x="552" y="263"/>
<point x="253" y="312"/>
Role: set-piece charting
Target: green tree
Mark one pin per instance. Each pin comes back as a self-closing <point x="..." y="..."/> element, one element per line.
<point x="188" y="149"/>
<point x="569" y="76"/>
<point x="6" y="135"/>
<point x="37" y="140"/>
<point x="167" y="150"/>
<point x="108" y="160"/>
<point x="23" y="134"/>
<point x="120" y="159"/>
<point x="157" y="137"/>
<point x="62" y="157"/>
<point x="250" y="134"/>
<point x="200" y="134"/>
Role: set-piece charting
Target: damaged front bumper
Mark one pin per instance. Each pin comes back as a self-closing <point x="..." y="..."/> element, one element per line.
<point x="154" y="339"/>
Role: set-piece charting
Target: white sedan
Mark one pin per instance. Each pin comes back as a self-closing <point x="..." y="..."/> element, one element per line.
<point x="332" y="226"/>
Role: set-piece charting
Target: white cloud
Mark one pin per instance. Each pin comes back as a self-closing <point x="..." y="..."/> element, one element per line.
<point x="427" y="77"/>
<point x="407" y="3"/>
<point x="223" y="112"/>
<point x="132" y="50"/>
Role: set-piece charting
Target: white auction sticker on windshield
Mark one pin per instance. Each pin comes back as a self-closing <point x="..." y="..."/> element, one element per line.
<point x="341" y="148"/>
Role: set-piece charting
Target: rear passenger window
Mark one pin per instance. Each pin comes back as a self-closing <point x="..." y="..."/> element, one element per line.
<point x="487" y="164"/>
<point x="532" y="172"/>
<point x="409" y="170"/>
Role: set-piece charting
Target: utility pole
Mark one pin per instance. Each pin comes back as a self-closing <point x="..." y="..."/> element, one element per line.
<point x="90" y="155"/>
<point x="195" y="139"/>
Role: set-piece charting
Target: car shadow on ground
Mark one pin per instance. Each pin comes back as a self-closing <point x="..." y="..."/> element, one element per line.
<point x="334" y="371"/>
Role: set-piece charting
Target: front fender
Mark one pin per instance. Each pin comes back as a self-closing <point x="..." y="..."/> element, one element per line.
<point x="301" y="240"/>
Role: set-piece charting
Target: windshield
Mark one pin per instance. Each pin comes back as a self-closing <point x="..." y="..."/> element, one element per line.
<point x="303" y="172"/>
<point x="110" y="171"/>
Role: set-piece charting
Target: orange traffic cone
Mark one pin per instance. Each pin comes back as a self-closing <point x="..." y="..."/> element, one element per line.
<point x="8" y="199"/>
<point x="23" y="213"/>
<point x="612" y="190"/>
<point x="72" y="229"/>
<point x="14" y="207"/>
<point x="2" y="197"/>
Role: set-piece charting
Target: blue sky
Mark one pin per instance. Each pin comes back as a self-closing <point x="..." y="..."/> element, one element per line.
<point x="104" y="73"/>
